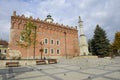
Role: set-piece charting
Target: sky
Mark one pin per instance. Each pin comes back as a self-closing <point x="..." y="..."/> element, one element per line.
<point x="106" y="13"/>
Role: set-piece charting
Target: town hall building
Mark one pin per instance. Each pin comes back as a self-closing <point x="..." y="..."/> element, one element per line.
<point x="58" y="39"/>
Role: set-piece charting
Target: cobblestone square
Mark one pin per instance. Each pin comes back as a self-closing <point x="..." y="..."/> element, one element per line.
<point x="70" y="69"/>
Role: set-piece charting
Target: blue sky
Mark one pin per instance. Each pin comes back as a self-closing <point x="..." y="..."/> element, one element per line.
<point x="106" y="13"/>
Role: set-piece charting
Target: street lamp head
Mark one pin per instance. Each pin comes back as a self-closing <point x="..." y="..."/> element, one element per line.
<point x="41" y="43"/>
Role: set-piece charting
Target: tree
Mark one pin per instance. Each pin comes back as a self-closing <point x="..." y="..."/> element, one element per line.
<point x="100" y="43"/>
<point x="28" y="37"/>
<point x="116" y="44"/>
<point x="89" y="45"/>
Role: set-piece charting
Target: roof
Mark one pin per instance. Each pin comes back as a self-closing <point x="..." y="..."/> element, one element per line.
<point x="3" y="42"/>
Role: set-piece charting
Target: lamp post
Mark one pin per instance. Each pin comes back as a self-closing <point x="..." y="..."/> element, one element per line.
<point x="41" y="49"/>
<point x="34" y="42"/>
<point x="65" y="45"/>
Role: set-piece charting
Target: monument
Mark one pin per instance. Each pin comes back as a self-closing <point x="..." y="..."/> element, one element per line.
<point x="83" y="41"/>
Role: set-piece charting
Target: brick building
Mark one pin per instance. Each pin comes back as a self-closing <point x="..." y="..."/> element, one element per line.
<point x="59" y="40"/>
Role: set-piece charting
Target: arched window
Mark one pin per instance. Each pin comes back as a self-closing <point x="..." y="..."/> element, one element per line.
<point x="52" y="41"/>
<point x="52" y="51"/>
<point x="45" y="50"/>
<point x="46" y="41"/>
<point x="58" y="51"/>
<point x="57" y="42"/>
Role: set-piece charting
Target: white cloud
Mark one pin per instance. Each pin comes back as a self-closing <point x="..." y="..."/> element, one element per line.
<point x="103" y="12"/>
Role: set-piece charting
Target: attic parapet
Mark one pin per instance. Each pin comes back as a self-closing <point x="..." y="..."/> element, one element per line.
<point x="23" y="16"/>
<point x="39" y="20"/>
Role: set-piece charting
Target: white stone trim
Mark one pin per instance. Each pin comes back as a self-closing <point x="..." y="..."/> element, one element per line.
<point x="53" y="51"/>
<point x="47" y="40"/>
<point x="59" y="51"/>
<point x="44" y="50"/>
<point x="58" y="41"/>
<point x="53" y="42"/>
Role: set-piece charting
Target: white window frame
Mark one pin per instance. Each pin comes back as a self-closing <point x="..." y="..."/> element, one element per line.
<point x="44" y="50"/>
<point x="45" y="39"/>
<point x="51" y="52"/>
<point x="58" y="41"/>
<point x="53" y="41"/>
<point x="59" y="51"/>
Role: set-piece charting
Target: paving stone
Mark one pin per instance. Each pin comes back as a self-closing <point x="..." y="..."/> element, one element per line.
<point x="111" y="68"/>
<point x="101" y="78"/>
<point x="60" y="65"/>
<point x="72" y="76"/>
<point x="73" y="68"/>
<point x="39" y="78"/>
<point x="117" y="65"/>
<point x="94" y="71"/>
<point x="32" y="74"/>
<point x="53" y="71"/>
<point x="115" y="75"/>
<point x="66" y="70"/>
<point x="0" y="77"/>
<point x="44" y="67"/>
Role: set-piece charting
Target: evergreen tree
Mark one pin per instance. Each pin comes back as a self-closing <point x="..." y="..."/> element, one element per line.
<point x="116" y="44"/>
<point x="89" y="45"/>
<point x="100" y="43"/>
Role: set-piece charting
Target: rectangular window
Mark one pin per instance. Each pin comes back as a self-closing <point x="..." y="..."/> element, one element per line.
<point x="58" y="42"/>
<point x="58" y="51"/>
<point x="46" y="41"/>
<point x="51" y="41"/>
<point x="5" y="51"/>
<point x="52" y="51"/>
<point x="45" y="51"/>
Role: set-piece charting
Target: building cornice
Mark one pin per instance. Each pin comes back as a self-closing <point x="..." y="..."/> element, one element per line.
<point x="47" y="25"/>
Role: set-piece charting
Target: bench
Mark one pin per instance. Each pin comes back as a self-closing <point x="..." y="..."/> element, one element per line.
<point x="40" y="62"/>
<point x="12" y="64"/>
<point x="52" y="61"/>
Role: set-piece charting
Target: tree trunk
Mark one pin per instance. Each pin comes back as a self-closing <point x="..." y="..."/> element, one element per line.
<point x="27" y="55"/>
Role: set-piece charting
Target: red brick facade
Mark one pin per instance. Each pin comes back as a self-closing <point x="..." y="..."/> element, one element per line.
<point x="61" y="40"/>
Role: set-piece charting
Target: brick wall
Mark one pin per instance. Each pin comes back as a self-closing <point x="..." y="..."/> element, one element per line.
<point x="50" y="31"/>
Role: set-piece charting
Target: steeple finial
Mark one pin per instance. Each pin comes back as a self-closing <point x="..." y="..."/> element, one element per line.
<point x="14" y="13"/>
